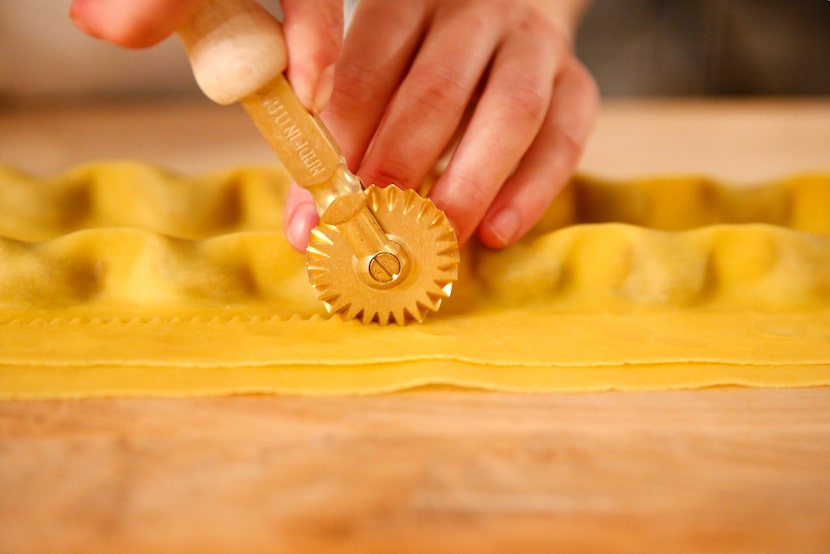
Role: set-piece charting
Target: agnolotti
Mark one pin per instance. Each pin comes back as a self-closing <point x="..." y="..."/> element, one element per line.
<point x="124" y="279"/>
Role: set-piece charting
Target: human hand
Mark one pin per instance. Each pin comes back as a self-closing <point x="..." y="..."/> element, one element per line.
<point x="313" y="34"/>
<point x="414" y="75"/>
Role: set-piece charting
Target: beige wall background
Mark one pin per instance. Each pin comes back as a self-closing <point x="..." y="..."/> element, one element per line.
<point x="633" y="47"/>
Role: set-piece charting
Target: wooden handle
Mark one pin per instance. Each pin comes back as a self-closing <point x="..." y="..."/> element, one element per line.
<point x="235" y="47"/>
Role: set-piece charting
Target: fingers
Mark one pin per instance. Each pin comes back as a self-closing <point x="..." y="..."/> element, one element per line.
<point x="131" y="23"/>
<point x="376" y="54"/>
<point x="409" y="75"/>
<point x="432" y="99"/>
<point x="549" y="162"/>
<point x="300" y="217"/>
<point x="366" y="78"/>
<point x="314" y="33"/>
<point x="544" y="169"/>
<point x="402" y="94"/>
<point x="505" y="123"/>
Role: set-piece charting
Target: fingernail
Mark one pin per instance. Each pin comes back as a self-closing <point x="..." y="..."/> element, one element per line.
<point x="299" y="228"/>
<point x="505" y="225"/>
<point x="324" y="88"/>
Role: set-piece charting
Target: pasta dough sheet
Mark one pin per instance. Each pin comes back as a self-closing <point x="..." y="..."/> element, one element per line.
<point x="119" y="279"/>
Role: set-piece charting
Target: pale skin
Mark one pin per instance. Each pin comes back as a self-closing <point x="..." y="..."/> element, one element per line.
<point x="493" y="82"/>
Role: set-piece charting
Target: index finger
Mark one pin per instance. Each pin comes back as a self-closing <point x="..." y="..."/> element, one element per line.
<point x="313" y="35"/>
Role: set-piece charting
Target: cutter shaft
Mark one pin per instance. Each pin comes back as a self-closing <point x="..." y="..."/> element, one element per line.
<point x="302" y="142"/>
<point x="313" y="159"/>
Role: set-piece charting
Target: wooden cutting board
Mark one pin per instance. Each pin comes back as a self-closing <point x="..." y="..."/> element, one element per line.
<point x="740" y="141"/>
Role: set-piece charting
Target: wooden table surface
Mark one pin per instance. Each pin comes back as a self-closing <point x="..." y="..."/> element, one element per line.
<point x="440" y="470"/>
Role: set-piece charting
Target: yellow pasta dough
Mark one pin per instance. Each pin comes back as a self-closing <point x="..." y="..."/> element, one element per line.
<point x="122" y="279"/>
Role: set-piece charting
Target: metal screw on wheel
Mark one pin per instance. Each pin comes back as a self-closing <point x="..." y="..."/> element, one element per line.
<point x="406" y="279"/>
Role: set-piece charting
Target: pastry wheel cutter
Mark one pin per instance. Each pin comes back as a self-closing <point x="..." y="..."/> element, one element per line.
<point x="377" y="254"/>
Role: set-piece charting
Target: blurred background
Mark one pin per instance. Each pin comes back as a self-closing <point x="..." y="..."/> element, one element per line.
<point x="633" y="47"/>
<point x="708" y="47"/>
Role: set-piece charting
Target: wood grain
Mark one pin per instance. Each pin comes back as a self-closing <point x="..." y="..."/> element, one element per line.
<point x="741" y="141"/>
<point x="728" y="470"/>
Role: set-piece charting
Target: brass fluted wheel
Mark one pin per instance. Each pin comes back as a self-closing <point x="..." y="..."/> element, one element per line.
<point x="406" y="280"/>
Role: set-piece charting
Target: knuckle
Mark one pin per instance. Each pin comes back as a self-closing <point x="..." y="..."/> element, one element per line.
<point x="472" y="193"/>
<point x="437" y="87"/>
<point x="356" y="84"/>
<point x="394" y="171"/>
<point x="585" y="106"/>
<point x="568" y="146"/>
<point x="585" y="81"/>
<point x="330" y="36"/>
<point x="464" y="197"/>
<point x="527" y="100"/>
